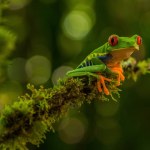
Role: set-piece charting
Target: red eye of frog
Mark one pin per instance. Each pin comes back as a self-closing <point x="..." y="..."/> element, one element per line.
<point x="113" y="40"/>
<point x="139" y="40"/>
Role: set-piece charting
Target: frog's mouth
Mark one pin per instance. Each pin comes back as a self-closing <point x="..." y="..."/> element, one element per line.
<point x="118" y="55"/>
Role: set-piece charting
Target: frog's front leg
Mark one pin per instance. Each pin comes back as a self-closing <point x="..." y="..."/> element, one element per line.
<point x="101" y="83"/>
<point x="94" y="71"/>
<point x="119" y="71"/>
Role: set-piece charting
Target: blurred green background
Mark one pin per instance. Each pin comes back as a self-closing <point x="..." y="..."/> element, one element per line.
<point x="54" y="36"/>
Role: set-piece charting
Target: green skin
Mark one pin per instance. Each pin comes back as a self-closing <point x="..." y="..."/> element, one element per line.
<point x="122" y="50"/>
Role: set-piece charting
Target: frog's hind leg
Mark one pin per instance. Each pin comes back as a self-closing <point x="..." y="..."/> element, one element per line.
<point x="77" y="74"/>
<point x="87" y="71"/>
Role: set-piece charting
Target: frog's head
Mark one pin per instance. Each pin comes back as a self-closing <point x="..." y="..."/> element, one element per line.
<point x="116" y="43"/>
<point x="123" y="47"/>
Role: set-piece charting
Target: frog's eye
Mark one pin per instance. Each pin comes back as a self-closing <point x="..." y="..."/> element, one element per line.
<point x="139" y="40"/>
<point x="113" y="40"/>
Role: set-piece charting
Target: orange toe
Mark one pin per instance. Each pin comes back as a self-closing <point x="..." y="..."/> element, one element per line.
<point x="106" y="91"/>
<point x="101" y="84"/>
<point x="119" y="72"/>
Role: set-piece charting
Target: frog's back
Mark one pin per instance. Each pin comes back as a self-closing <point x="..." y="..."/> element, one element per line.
<point x="99" y="53"/>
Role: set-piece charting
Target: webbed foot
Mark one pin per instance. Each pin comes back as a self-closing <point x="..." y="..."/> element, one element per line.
<point x="101" y="84"/>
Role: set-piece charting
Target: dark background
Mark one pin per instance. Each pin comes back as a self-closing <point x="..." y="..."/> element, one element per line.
<point x="54" y="36"/>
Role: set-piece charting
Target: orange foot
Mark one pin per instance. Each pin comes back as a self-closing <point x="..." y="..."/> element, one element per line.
<point x="119" y="71"/>
<point x="101" y="83"/>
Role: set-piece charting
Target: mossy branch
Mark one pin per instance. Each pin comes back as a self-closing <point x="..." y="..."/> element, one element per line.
<point x="28" y="119"/>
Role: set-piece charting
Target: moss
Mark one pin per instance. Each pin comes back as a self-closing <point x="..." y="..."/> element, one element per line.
<point x="34" y="114"/>
<point x="29" y="118"/>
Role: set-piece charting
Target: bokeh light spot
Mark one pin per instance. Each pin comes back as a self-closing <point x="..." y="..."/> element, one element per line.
<point x="18" y="4"/>
<point x="71" y="131"/>
<point x="38" y="69"/>
<point x="77" y="24"/>
<point x="60" y="73"/>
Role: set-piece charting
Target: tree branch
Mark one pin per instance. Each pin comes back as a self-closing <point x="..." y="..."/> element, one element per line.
<point x="28" y="119"/>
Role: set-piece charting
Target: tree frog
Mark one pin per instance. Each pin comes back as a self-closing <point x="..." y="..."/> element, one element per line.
<point x="107" y="58"/>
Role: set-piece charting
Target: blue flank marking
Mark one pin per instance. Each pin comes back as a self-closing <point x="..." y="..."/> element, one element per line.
<point x="104" y="58"/>
<point x="84" y="64"/>
<point x="90" y="63"/>
<point x="80" y="66"/>
<point x="87" y="63"/>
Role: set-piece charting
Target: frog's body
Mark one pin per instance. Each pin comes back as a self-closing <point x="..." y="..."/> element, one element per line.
<point x="107" y="58"/>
